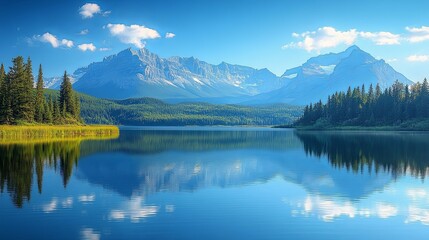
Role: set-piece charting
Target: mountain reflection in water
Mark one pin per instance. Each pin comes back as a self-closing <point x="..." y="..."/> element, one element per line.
<point x="149" y="161"/>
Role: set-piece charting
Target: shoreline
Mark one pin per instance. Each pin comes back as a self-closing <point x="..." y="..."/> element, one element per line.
<point x="357" y="128"/>
<point x="40" y="133"/>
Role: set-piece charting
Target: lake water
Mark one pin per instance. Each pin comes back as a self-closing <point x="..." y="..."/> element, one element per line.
<point x="218" y="183"/>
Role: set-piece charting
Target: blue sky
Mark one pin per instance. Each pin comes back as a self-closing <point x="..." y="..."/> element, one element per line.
<point x="65" y="35"/>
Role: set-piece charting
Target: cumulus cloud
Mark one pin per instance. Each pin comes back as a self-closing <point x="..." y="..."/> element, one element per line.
<point x="329" y="37"/>
<point x="382" y="38"/>
<point x="170" y="35"/>
<point x="53" y="40"/>
<point x="418" y="58"/>
<point x="84" y="32"/>
<point x="88" y="10"/>
<point x="418" y="34"/>
<point x="324" y="37"/>
<point x="132" y="34"/>
<point x="87" y="47"/>
<point x="67" y="43"/>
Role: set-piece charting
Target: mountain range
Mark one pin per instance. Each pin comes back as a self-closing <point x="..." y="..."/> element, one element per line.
<point x="141" y="73"/>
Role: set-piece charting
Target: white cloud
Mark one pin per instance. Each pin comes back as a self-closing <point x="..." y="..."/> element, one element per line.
<point x="390" y="60"/>
<point x="67" y="203"/>
<point x="84" y="32"/>
<point x="416" y="214"/>
<point x="324" y="37"/>
<point x="87" y="198"/>
<point x="417" y="193"/>
<point x="133" y="34"/>
<point x="87" y="47"/>
<point x="418" y="34"/>
<point x="106" y="13"/>
<point x="134" y="210"/>
<point x="89" y="234"/>
<point x="418" y="58"/>
<point x="104" y="49"/>
<point x="89" y="9"/>
<point x="170" y="35"/>
<point x="67" y="43"/>
<point x="50" y="207"/>
<point x="386" y="210"/>
<point x="382" y="38"/>
<point x="329" y="37"/>
<point x="53" y="40"/>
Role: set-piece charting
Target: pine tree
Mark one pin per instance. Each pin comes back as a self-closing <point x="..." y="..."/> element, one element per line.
<point x="40" y="101"/>
<point x="16" y="79"/>
<point x="28" y="93"/>
<point x="377" y="91"/>
<point x="2" y="76"/>
<point x="56" y="111"/>
<point x="6" y="114"/>
<point x="3" y="94"/>
<point x="49" y="110"/>
<point x="77" y="107"/>
<point x="67" y="99"/>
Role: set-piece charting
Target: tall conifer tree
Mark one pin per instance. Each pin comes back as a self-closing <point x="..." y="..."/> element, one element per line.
<point x="40" y="98"/>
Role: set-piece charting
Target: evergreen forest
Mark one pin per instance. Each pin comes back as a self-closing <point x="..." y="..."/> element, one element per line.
<point x="23" y="103"/>
<point x="398" y="105"/>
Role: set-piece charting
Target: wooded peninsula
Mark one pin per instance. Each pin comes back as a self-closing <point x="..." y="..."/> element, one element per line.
<point x="27" y="113"/>
<point x="399" y="107"/>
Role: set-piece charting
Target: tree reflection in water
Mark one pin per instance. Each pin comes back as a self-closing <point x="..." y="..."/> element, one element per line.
<point x="18" y="162"/>
<point x="393" y="152"/>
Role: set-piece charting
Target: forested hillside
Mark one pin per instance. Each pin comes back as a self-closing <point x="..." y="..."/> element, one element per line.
<point x="399" y="105"/>
<point x="150" y="112"/>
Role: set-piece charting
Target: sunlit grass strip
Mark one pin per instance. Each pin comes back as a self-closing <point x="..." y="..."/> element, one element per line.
<point x="31" y="134"/>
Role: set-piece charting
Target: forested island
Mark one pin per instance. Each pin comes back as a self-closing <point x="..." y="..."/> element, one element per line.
<point x="26" y="112"/>
<point x="399" y="107"/>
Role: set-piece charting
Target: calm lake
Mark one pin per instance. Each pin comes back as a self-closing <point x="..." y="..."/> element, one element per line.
<point x="218" y="183"/>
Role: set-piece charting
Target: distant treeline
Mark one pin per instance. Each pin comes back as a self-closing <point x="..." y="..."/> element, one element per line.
<point x="154" y="112"/>
<point x="357" y="107"/>
<point x="21" y="103"/>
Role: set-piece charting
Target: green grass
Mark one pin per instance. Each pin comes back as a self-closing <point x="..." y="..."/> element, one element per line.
<point x="36" y="133"/>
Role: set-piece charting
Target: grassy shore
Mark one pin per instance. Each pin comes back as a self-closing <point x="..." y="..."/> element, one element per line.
<point x="24" y="134"/>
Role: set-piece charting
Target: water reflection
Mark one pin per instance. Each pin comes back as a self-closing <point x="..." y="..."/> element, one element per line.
<point x="396" y="153"/>
<point x="182" y="184"/>
<point x="152" y="161"/>
<point x="19" y="162"/>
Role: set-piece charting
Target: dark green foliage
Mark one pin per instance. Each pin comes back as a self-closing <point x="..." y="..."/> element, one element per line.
<point x="4" y="99"/>
<point x="40" y="102"/>
<point x="21" y="103"/>
<point x="20" y="163"/>
<point x="67" y="98"/>
<point x="17" y="82"/>
<point x="398" y="154"/>
<point x="151" y="112"/>
<point x="396" y="105"/>
<point x="2" y="75"/>
<point x="154" y="112"/>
